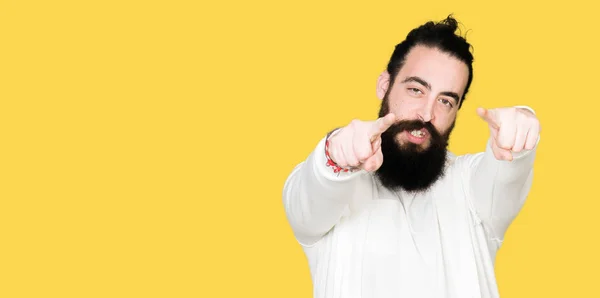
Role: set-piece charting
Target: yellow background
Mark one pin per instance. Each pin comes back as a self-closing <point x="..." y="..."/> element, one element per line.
<point x="144" y="144"/>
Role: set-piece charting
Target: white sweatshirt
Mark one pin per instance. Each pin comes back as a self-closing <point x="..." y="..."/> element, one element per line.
<point x="362" y="240"/>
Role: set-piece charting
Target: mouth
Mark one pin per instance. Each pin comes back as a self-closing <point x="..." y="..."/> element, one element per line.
<point x="417" y="136"/>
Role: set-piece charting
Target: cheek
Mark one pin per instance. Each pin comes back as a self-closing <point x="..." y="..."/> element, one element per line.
<point x="404" y="107"/>
<point x="442" y="124"/>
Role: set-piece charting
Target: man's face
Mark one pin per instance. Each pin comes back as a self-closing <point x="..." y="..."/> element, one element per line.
<point x="427" y="88"/>
<point x="424" y="99"/>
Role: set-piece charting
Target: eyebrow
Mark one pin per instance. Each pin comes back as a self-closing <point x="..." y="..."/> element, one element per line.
<point x="418" y="80"/>
<point x="454" y="95"/>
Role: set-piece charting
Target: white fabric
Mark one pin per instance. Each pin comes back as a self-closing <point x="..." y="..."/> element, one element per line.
<point x="362" y="240"/>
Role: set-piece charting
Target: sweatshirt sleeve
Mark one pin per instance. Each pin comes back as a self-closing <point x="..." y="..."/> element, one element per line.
<point x="315" y="198"/>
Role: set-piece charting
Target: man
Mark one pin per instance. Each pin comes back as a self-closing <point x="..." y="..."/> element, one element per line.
<point x="382" y="209"/>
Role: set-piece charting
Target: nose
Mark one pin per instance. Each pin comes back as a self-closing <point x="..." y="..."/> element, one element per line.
<point x="426" y="112"/>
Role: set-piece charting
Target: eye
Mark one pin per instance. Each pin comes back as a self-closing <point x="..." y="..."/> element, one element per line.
<point x="445" y="102"/>
<point x="415" y="91"/>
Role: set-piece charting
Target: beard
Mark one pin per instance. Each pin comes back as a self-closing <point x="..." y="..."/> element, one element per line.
<point x="409" y="166"/>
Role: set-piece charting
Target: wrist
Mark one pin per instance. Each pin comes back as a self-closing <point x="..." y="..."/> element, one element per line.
<point x="329" y="160"/>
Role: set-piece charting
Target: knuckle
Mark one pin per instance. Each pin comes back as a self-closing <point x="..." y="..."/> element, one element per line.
<point x="362" y="155"/>
<point x="500" y="142"/>
<point x="504" y="146"/>
<point x="503" y="143"/>
<point x="351" y="160"/>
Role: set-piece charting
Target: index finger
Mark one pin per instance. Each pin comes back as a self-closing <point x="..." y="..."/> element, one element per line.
<point x="381" y="125"/>
<point x="488" y="117"/>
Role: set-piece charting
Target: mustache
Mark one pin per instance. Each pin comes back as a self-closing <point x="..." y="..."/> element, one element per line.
<point x="408" y="125"/>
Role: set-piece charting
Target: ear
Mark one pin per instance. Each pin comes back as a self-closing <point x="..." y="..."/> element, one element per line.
<point x="383" y="83"/>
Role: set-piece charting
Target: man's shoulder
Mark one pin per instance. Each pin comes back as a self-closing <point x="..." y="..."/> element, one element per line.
<point x="465" y="159"/>
<point x="451" y="159"/>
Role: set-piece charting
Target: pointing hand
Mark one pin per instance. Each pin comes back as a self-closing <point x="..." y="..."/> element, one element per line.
<point x="512" y="130"/>
<point x="358" y="145"/>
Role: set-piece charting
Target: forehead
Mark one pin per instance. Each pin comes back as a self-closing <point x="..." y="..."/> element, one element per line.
<point x="442" y="71"/>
